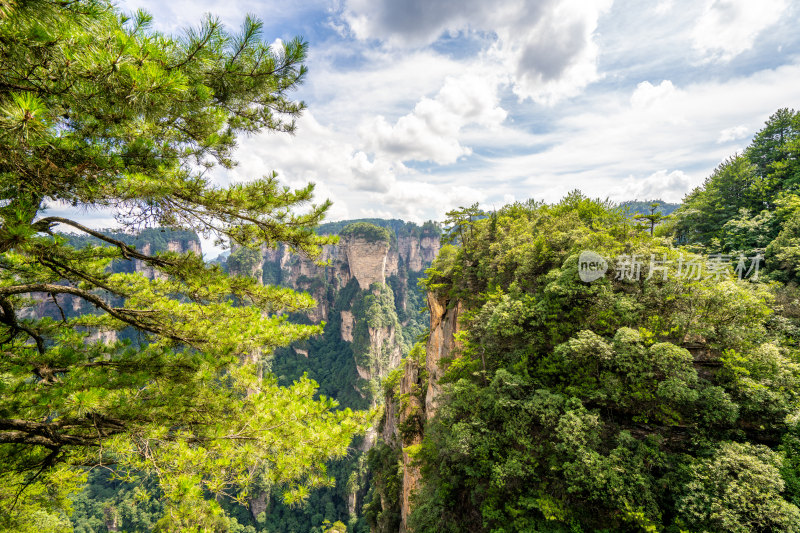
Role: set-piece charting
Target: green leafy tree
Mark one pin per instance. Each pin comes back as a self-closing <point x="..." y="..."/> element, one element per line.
<point x="738" y="490"/>
<point x="732" y="210"/>
<point x="459" y="223"/>
<point x="774" y="151"/>
<point x="367" y="231"/>
<point x="730" y="188"/>
<point x="653" y="217"/>
<point x="97" y="110"/>
<point x="652" y="403"/>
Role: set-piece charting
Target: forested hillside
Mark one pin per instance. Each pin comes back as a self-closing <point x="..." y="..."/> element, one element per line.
<point x="661" y="395"/>
<point x="581" y="375"/>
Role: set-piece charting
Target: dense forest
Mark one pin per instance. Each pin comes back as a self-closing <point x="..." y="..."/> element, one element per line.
<point x="662" y="396"/>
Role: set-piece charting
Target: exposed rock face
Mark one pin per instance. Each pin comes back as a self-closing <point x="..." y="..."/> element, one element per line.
<point x="429" y="248"/>
<point x="376" y="315"/>
<point x="180" y="247"/>
<point x="441" y="344"/>
<point x="413" y="408"/>
<point x="420" y="397"/>
<point x="102" y="336"/>
<point x="70" y="306"/>
<point x="258" y="504"/>
<point x="300" y="351"/>
<point x="383" y="343"/>
<point x="367" y="260"/>
<point x="142" y="267"/>
<point x="408" y="249"/>
<point x="347" y="326"/>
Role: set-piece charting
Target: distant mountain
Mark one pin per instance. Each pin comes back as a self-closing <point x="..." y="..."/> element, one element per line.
<point x="637" y="207"/>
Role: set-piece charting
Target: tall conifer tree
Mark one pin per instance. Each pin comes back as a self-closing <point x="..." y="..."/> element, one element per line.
<point x="100" y="111"/>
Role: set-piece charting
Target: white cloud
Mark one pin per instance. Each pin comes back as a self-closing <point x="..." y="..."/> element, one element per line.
<point x="614" y="136"/>
<point x="551" y="56"/>
<point x="732" y="134"/>
<point x="660" y="185"/>
<point x="442" y="102"/>
<point x="664" y="6"/>
<point x="418" y="201"/>
<point x="430" y="132"/>
<point x="657" y="103"/>
<point x="376" y="213"/>
<point x="729" y="27"/>
<point x="413" y="137"/>
<point x="546" y="46"/>
<point x="648" y="95"/>
<point x="386" y="82"/>
<point x="375" y="175"/>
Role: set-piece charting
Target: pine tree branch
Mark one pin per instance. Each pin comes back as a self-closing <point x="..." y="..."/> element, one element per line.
<point x="122" y="314"/>
<point x="127" y="251"/>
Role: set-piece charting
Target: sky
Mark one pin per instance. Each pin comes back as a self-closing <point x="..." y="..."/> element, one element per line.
<point x="416" y="107"/>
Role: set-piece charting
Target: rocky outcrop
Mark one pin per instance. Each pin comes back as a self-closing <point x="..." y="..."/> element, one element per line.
<point x="385" y="349"/>
<point x="347" y="325"/>
<point x="417" y="252"/>
<point x="441" y="345"/>
<point x="415" y="400"/>
<point x="258" y="504"/>
<point x="178" y="246"/>
<point x="105" y="336"/>
<point x="411" y="414"/>
<point x="369" y="261"/>
<point x="366" y="260"/>
<point x="365" y="293"/>
<point x="300" y="351"/>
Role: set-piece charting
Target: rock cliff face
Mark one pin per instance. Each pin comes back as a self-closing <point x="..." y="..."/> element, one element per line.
<point x="366" y="292"/>
<point x="148" y="242"/>
<point x="419" y="390"/>
<point x="354" y="257"/>
<point x="366" y="260"/>
<point x="441" y="345"/>
<point x="173" y="245"/>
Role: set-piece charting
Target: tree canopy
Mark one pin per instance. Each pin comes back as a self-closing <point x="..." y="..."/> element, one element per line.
<point x="646" y="402"/>
<point x="100" y="111"/>
<point x="744" y="203"/>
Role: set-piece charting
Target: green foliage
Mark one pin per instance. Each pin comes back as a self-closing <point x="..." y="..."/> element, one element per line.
<point x="98" y="110"/>
<point x="245" y="261"/>
<point x="733" y="186"/>
<point x="618" y="405"/>
<point x="737" y="489"/>
<point x="652" y="217"/>
<point x="331" y="362"/>
<point x="458" y="224"/>
<point x="129" y="506"/>
<point x="399" y="227"/>
<point x="747" y="205"/>
<point x="644" y="207"/>
<point x="375" y="310"/>
<point x="367" y="231"/>
<point x="382" y="510"/>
